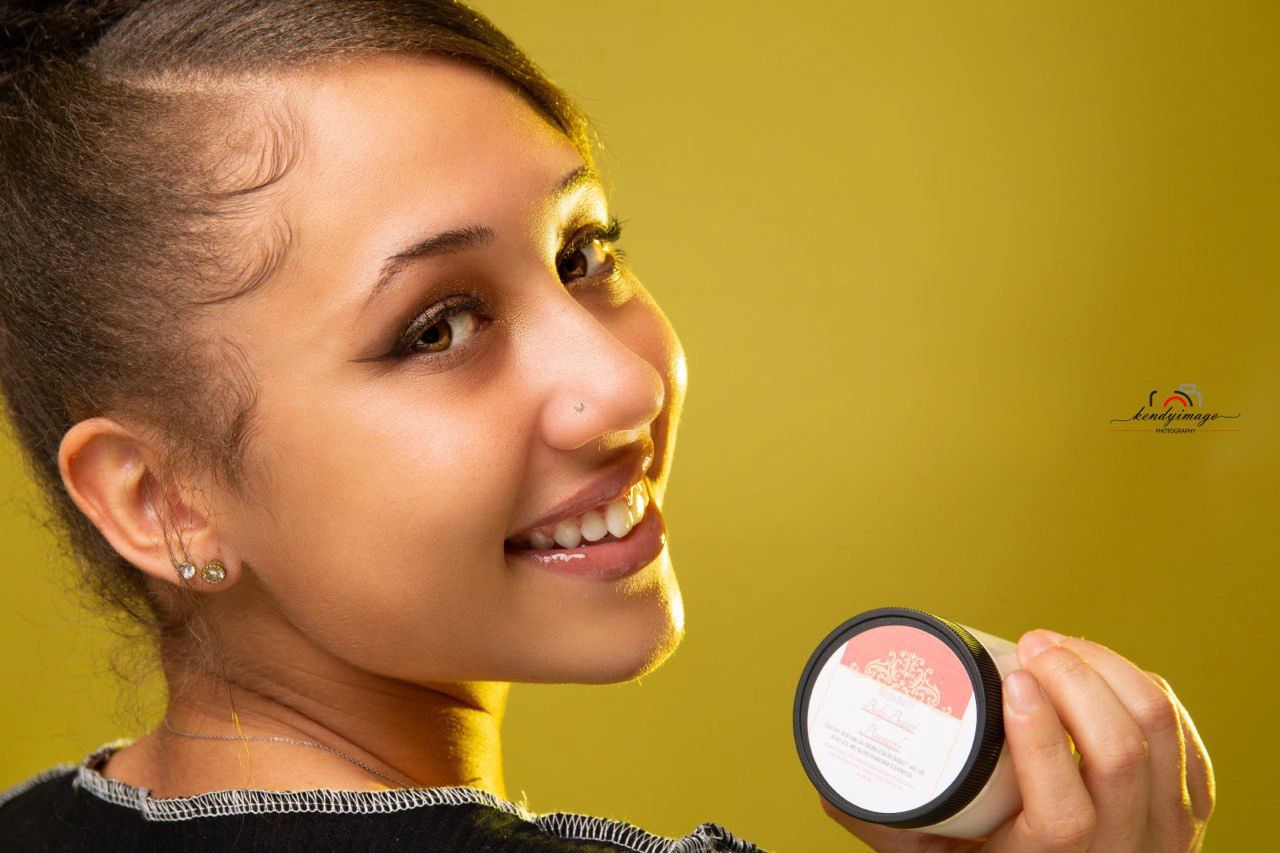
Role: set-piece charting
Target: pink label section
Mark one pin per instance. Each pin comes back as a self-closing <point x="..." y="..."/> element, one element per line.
<point x="914" y="662"/>
<point x="892" y="718"/>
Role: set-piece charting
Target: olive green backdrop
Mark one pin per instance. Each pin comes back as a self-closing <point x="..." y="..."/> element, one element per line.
<point x="920" y="255"/>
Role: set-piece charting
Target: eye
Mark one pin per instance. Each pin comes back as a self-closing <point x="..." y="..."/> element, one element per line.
<point x="583" y="262"/>
<point x="447" y="332"/>
<point x="591" y="252"/>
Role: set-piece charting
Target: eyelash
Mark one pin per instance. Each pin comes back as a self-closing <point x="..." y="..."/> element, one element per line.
<point x="608" y="233"/>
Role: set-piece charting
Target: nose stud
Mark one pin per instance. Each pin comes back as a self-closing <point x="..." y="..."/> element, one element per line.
<point x="579" y="406"/>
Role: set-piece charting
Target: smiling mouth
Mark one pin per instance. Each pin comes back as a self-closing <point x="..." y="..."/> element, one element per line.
<point x="606" y="522"/>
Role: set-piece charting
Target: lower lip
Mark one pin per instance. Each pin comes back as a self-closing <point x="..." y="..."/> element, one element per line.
<point x="604" y="560"/>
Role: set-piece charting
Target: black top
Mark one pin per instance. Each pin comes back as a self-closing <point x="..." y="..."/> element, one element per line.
<point x="75" y="808"/>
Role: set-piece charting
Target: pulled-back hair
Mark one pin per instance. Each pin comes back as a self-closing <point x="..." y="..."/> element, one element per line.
<point x="134" y="193"/>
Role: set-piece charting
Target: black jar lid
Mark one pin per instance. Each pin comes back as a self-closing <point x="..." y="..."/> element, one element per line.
<point x="988" y="737"/>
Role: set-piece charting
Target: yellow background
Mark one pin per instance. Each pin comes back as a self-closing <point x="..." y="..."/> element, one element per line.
<point x="919" y="256"/>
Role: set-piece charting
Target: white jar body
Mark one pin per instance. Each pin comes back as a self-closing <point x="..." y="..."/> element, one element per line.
<point x="999" y="798"/>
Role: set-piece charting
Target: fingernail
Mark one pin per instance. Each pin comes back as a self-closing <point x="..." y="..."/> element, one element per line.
<point x="1037" y="641"/>
<point x="1023" y="691"/>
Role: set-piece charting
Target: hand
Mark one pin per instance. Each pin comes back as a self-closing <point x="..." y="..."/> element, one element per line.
<point x="1144" y="782"/>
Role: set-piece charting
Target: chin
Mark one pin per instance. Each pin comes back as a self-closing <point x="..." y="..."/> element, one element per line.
<point x="627" y="667"/>
<point x="628" y="648"/>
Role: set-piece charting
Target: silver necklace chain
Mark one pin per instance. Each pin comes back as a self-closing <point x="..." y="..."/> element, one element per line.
<point x="276" y="739"/>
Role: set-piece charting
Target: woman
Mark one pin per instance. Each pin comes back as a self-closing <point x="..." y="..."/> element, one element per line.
<point x="318" y="339"/>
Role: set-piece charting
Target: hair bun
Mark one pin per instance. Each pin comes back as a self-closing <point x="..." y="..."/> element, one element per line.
<point x="33" y="32"/>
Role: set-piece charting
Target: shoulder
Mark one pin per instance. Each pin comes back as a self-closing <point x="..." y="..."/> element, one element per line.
<point x="486" y="826"/>
<point x="74" y="807"/>
<point x="45" y="780"/>
<point x="35" y="799"/>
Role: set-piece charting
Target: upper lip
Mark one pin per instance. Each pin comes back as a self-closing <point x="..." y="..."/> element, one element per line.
<point x="611" y="486"/>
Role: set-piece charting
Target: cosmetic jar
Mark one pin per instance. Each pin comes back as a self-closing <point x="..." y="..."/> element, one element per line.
<point x="899" y="720"/>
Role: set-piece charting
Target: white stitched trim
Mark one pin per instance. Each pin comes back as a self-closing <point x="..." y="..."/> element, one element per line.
<point x="591" y="828"/>
<point x="250" y="801"/>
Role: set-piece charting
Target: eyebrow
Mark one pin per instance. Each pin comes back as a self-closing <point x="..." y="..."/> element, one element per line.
<point x="465" y="237"/>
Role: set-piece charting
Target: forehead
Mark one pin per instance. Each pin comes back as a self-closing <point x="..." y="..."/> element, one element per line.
<point x="383" y="115"/>
<point x="392" y="145"/>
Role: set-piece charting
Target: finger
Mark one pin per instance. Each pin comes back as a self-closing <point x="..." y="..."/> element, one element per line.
<point x="887" y="839"/>
<point x="1200" y="783"/>
<point x="1169" y="819"/>
<point x="1113" y="748"/>
<point x="1057" y="811"/>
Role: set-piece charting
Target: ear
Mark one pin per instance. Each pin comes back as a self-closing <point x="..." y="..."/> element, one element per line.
<point x="105" y="468"/>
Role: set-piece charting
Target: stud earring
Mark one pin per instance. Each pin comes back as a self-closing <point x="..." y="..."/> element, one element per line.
<point x="187" y="571"/>
<point x="213" y="572"/>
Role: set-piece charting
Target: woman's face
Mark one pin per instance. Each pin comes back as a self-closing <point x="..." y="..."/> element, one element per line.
<point x="393" y="481"/>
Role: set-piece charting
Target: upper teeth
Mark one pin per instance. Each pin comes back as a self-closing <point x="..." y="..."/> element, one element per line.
<point x="615" y="518"/>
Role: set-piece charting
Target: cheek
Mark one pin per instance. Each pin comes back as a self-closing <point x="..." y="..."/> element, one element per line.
<point x="389" y="512"/>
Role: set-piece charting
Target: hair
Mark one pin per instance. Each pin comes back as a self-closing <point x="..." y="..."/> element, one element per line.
<point x="134" y="188"/>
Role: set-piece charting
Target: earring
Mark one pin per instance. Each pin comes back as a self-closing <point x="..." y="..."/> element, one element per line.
<point x="187" y="571"/>
<point x="214" y="571"/>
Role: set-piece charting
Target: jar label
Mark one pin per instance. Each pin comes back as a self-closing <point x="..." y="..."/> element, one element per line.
<point x="892" y="718"/>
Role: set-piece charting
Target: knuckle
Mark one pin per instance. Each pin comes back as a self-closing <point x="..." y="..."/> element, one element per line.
<point x="1069" y="830"/>
<point x="1155" y="714"/>
<point x="1125" y="757"/>
<point x="1046" y="748"/>
<point x="1059" y="663"/>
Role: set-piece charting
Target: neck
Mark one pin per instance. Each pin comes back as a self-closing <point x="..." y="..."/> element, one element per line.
<point x="433" y="734"/>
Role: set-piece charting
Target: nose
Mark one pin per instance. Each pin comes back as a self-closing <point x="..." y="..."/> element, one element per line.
<point x="597" y="388"/>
